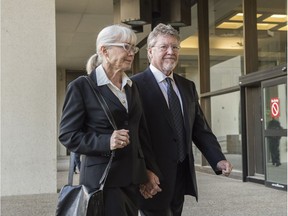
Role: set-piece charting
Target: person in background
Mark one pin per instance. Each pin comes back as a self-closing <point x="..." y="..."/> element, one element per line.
<point x="274" y="142"/>
<point x="85" y="129"/>
<point x="175" y="119"/>
<point x="77" y="163"/>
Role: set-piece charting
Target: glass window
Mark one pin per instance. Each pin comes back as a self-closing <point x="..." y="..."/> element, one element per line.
<point x="275" y="132"/>
<point x="276" y="159"/>
<point x="225" y="123"/>
<point x="226" y="43"/>
<point x="272" y="33"/>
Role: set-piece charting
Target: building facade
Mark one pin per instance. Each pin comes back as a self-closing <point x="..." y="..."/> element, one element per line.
<point x="235" y="52"/>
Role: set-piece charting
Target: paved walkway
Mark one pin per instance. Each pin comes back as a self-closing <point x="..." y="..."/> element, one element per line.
<point x="218" y="196"/>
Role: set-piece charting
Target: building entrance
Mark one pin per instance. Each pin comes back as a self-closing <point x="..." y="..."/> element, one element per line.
<point x="274" y="103"/>
<point x="264" y="105"/>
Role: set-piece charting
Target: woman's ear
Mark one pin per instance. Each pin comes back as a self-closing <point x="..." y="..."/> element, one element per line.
<point x="105" y="54"/>
<point x="104" y="50"/>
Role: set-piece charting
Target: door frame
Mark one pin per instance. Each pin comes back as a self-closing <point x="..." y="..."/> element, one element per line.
<point x="283" y="132"/>
<point x="247" y="83"/>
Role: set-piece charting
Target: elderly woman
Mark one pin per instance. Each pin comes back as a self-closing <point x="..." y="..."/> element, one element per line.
<point x="86" y="130"/>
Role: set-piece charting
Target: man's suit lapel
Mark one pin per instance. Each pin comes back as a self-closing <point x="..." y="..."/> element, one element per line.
<point x="157" y="96"/>
<point x="183" y="95"/>
<point x="186" y="96"/>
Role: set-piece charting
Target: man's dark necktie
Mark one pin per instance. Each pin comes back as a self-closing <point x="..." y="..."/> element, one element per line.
<point x="176" y="112"/>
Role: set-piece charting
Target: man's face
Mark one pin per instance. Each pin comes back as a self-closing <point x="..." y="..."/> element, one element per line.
<point x="164" y="54"/>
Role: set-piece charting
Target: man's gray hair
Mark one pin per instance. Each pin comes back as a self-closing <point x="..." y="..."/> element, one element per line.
<point x="161" y="29"/>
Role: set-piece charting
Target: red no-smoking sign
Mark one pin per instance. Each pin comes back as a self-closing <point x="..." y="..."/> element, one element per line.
<point x="275" y="107"/>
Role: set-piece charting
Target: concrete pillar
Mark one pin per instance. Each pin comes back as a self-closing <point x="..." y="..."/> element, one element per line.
<point x="28" y="97"/>
<point x="61" y="91"/>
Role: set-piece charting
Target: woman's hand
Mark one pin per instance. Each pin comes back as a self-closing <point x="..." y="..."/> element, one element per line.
<point x="119" y="139"/>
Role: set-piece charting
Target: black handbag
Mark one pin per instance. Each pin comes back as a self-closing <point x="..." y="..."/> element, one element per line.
<point x="78" y="200"/>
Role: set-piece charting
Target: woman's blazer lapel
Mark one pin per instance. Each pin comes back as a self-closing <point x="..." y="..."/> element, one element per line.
<point x="106" y="92"/>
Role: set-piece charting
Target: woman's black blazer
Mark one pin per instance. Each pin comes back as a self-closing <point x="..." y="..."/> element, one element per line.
<point x="85" y="129"/>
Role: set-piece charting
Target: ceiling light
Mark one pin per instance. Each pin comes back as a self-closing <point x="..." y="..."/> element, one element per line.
<point x="239" y="17"/>
<point x="284" y="28"/>
<point x="177" y="13"/>
<point x="137" y="28"/>
<point x="230" y="25"/>
<point x="276" y="18"/>
<point x="135" y="12"/>
<point x="265" y="26"/>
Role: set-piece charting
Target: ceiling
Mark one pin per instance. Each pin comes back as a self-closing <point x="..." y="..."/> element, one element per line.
<point x="78" y="23"/>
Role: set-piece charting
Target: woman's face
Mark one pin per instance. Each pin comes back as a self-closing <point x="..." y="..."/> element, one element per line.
<point x="120" y="56"/>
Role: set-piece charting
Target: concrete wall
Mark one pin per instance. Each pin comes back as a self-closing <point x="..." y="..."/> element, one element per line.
<point x="28" y="97"/>
<point x="61" y="91"/>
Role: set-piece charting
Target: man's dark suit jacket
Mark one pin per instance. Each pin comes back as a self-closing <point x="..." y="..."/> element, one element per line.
<point x="85" y="129"/>
<point x="163" y="135"/>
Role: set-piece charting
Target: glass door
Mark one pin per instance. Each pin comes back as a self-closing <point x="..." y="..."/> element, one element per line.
<point x="275" y="132"/>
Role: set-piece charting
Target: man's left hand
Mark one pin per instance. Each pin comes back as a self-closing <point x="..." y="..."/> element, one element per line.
<point x="225" y="166"/>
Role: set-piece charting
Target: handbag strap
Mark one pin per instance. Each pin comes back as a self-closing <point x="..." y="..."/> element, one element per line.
<point x="102" y="102"/>
<point x="71" y="168"/>
<point x="112" y="122"/>
<point x="110" y="117"/>
<point x="104" y="176"/>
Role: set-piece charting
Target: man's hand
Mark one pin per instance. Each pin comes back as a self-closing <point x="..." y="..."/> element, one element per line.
<point x="225" y="166"/>
<point x="150" y="188"/>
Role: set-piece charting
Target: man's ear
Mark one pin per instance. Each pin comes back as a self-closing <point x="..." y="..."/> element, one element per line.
<point x="149" y="53"/>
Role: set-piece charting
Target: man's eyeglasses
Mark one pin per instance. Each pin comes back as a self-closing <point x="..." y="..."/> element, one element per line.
<point x="127" y="47"/>
<point x="165" y="47"/>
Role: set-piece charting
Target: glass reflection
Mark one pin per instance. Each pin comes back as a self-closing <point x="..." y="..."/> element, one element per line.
<point x="275" y="132"/>
<point x="276" y="162"/>
<point x="225" y="123"/>
<point x="226" y="43"/>
<point x="274" y="142"/>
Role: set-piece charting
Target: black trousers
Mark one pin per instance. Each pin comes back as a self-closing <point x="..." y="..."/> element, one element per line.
<point x="275" y="153"/>
<point x="121" y="201"/>
<point x="176" y="205"/>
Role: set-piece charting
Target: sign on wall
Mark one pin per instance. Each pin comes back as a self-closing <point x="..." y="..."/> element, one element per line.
<point x="275" y="107"/>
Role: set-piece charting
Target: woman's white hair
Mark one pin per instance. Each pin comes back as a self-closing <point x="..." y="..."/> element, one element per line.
<point x="111" y="34"/>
